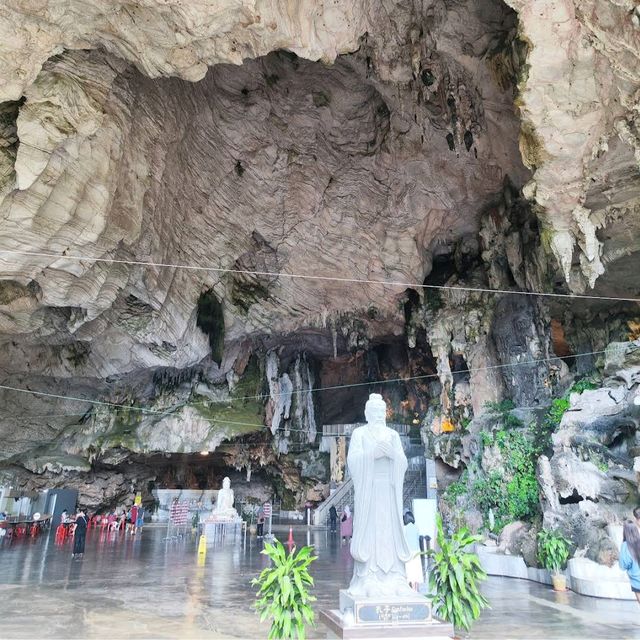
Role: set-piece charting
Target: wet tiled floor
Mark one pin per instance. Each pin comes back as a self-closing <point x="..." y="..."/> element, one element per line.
<point x="148" y="587"/>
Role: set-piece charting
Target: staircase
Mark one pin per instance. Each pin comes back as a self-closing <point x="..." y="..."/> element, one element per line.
<point x="339" y="499"/>
<point x="415" y="482"/>
<point x="415" y="486"/>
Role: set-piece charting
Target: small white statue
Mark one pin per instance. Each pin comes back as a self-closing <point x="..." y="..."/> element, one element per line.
<point x="224" y="501"/>
<point x="377" y="464"/>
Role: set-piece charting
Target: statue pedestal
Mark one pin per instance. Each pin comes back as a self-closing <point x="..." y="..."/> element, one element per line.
<point x="217" y="529"/>
<point x="385" y="617"/>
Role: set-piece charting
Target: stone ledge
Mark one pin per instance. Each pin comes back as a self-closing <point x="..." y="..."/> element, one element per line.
<point x="584" y="576"/>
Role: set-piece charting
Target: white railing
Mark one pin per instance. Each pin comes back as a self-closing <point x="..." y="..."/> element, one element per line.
<point x="339" y="499"/>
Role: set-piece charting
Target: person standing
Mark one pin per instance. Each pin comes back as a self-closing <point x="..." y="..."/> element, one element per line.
<point x="133" y="519"/>
<point x="413" y="566"/>
<point x="333" y="518"/>
<point x="346" y="524"/>
<point x="80" y="534"/>
<point x="260" y="525"/>
<point x="630" y="556"/>
<point x="139" y="520"/>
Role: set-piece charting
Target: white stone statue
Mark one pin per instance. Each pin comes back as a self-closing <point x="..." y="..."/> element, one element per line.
<point x="224" y="502"/>
<point x="377" y="464"/>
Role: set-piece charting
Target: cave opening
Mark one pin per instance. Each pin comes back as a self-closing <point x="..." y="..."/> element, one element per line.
<point x="560" y="344"/>
<point x="575" y="498"/>
<point x="623" y="441"/>
<point x="204" y="471"/>
<point x="412" y="301"/>
<point x="252" y="147"/>
<point x="447" y="474"/>
<point x="444" y="266"/>
<point x="459" y="367"/>
<point x="210" y="319"/>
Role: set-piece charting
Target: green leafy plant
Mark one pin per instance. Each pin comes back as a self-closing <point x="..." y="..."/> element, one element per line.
<point x="511" y="492"/>
<point x="454" y="578"/>
<point x="284" y="594"/>
<point x="553" y="550"/>
<point x="586" y="384"/>
<point x="456" y="489"/>
<point x="557" y="410"/>
<point x="500" y="407"/>
<point x="560" y="405"/>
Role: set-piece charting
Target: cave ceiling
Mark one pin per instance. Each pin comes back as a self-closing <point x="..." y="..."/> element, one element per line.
<point x="279" y="165"/>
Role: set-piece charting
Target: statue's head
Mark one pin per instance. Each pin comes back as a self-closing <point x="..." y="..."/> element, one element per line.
<point x="375" y="411"/>
<point x="226" y="483"/>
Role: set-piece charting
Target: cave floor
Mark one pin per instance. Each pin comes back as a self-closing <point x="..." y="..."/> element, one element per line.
<point x="146" y="587"/>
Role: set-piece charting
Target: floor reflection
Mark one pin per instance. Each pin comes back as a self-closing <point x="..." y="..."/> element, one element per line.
<point x="149" y="587"/>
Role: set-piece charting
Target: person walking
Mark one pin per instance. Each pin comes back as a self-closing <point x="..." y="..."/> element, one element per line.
<point x="333" y="518"/>
<point x="346" y="524"/>
<point x="630" y="555"/>
<point x="80" y="534"/>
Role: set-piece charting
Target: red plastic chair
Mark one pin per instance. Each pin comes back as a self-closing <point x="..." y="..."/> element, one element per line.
<point x="34" y="530"/>
<point x="61" y="534"/>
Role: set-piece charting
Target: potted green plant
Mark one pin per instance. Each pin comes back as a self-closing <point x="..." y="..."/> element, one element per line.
<point x="284" y="594"/>
<point x="553" y="552"/>
<point x="454" y="577"/>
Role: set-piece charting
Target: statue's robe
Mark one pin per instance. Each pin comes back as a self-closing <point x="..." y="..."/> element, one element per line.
<point x="378" y="546"/>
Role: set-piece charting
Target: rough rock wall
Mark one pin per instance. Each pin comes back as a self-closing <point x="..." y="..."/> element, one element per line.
<point x="589" y="483"/>
<point x="273" y="163"/>
<point x="579" y="103"/>
<point x="172" y="38"/>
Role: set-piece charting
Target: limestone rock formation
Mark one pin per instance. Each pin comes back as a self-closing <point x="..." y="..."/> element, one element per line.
<point x="589" y="482"/>
<point x="580" y="130"/>
<point x="171" y="38"/>
<point x="166" y="167"/>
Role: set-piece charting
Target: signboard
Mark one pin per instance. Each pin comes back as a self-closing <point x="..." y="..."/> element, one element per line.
<point x="138" y="499"/>
<point x="178" y="513"/>
<point x="424" y="512"/>
<point x="400" y="613"/>
<point x="266" y="508"/>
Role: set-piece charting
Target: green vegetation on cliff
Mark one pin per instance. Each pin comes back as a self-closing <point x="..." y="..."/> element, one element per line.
<point x="243" y="412"/>
<point x="502" y="477"/>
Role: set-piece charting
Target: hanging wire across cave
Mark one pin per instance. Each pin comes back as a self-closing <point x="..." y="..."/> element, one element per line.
<point x="276" y="274"/>
<point x="222" y="421"/>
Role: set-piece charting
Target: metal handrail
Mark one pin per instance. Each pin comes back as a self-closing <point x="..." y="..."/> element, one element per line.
<point x="338" y="499"/>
